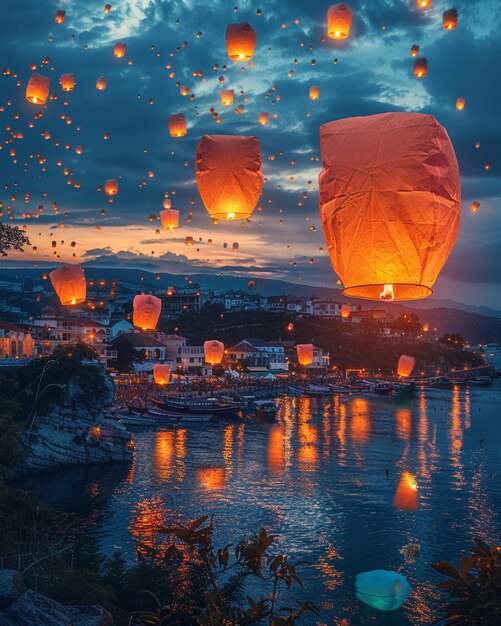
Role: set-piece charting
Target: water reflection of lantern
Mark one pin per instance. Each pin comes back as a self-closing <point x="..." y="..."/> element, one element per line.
<point x="213" y="351"/>
<point x="101" y="83"/>
<point x="229" y="176"/>
<point x="382" y="589"/>
<point x="240" y="41"/>
<point x="339" y="17"/>
<point x="345" y="311"/>
<point x="405" y="365"/>
<point x="386" y="169"/>
<point x="60" y="16"/>
<point x="37" y="89"/>
<point x="146" y="311"/>
<point x="414" y="50"/>
<point x="161" y="373"/>
<point x="67" y="82"/>
<point x="314" y="92"/>
<point x="450" y="19"/>
<point x="211" y="478"/>
<point x="406" y="496"/>
<point x="263" y="118"/>
<point x="227" y="97"/>
<point x="276" y="452"/>
<point x="169" y="219"/>
<point x="420" y="68"/>
<point x="69" y="284"/>
<point x="304" y="353"/>
<point x="111" y="187"/>
<point x="177" y="125"/>
<point x="460" y="103"/>
<point x="119" y="50"/>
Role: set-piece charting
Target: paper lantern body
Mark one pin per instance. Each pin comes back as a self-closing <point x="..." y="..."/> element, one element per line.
<point x="304" y="353"/>
<point x="420" y="68"/>
<point x="414" y="50"/>
<point x="60" y="16"/>
<point x="169" y="219"/>
<point x="37" y="89"/>
<point x="406" y="496"/>
<point x="460" y="104"/>
<point x="339" y="18"/>
<point x="161" y="373"/>
<point x="405" y="365"/>
<point x="67" y="82"/>
<point x="345" y="311"/>
<point x="382" y="589"/>
<point x="450" y="19"/>
<point x="314" y="92"/>
<point x="69" y="284"/>
<point x="101" y="83"/>
<point x="229" y="175"/>
<point x="111" y="187"/>
<point x="263" y="118"/>
<point x="177" y="125"/>
<point x="119" y="50"/>
<point x="146" y="311"/>
<point x="240" y="41"/>
<point x="389" y="203"/>
<point x="214" y="351"/>
<point x="227" y="96"/>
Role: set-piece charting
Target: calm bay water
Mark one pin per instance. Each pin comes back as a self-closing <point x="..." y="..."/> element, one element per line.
<point x="318" y="478"/>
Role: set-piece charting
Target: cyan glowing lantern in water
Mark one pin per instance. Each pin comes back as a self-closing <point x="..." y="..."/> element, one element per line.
<point x="382" y="589"/>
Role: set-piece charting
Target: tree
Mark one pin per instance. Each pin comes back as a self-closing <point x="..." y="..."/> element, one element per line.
<point x="452" y="339"/>
<point x="12" y="238"/>
<point x="126" y="355"/>
<point x="408" y="323"/>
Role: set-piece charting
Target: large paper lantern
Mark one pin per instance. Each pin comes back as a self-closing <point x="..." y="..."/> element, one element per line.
<point x="119" y="50"/>
<point x="406" y="496"/>
<point x="229" y="175"/>
<point x="146" y="311"/>
<point x="214" y="351"/>
<point x="37" y="89"/>
<point x="177" y="125"/>
<point x="240" y="41"/>
<point x="111" y="187"/>
<point x="101" y="83"/>
<point x="304" y="353"/>
<point x="161" y="373"/>
<point x="420" y="68"/>
<point x="227" y="96"/>
<point x="67" y="82"/>
<point x="450" y="19"/>
<point x="339" y="18"/>
<point x="382" y="589"/>
<point x="389" y="203"/>
<point x="169" y="219"/>
<point x="69" y="284"/>
<point x="405" y="365"/>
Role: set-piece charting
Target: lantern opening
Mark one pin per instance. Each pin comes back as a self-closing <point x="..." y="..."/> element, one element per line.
<point x="388" y="292"/>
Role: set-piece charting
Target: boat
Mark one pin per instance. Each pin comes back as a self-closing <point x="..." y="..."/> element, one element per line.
<point x="171" y="416"/>
<point x="265" y="408"/>
<point x="136" y="409"/>
<point x="480" y="381"/>
<point x="136" y="420"/>
<point x="382" y="389"/>
<point x="206" y="406"/>
<point x="341" y="389"/>
<point x="312" y="391"/>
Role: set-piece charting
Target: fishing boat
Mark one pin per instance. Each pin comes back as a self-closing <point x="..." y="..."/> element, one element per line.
<point x="266" y="409"/>
<point x="135" y="409"/>
<point x="341" y="389"/>
<point x="202" y="406"/>
<point x="130" y="419"/>
<point x="480" y="381"/>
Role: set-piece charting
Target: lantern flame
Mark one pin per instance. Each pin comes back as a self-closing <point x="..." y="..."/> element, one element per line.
<point x="387" y="293"/>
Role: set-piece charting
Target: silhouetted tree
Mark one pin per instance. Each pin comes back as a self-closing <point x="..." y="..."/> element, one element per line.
<point x="12" y="238"/>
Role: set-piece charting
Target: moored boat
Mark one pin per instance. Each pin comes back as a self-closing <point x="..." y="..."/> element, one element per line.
<point x="266" y="409"/>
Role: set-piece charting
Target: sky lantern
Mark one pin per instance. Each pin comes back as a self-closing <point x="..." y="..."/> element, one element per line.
<point x="146" y="311"/>
<point x="474" y="206"/>
<point x="382" y="589"/>
<point x="420" y="67"/>
<point x="389" y="203"/>
<point x="227" y="97"/>
<point x="161" y="373"/>
<point x="314" y="92"/>
<point x="405" y="365"/>
<point x="240" y="41"/>
<point x="450" y="19"/>
<point x="184" y="90"/>
<point x="169" y="219"/>
<point x="263" y="118"/>
<point x="111" y="187"/>
<point x="214" y="351"/>
<point x="101" y="83"/>
<point x="37" y="89"/>
<point x="177" y="125"/>
<point x="414" y="50"/>
<point x="345" y="311"/>
<point x="339" y="17"/>
<point x="60" y="14"/>
<point x="229" y="175"/>
<point x="460" y="104"/>
<point x="67" y="82"/>
<point x="119" y="50"/>
<point x="107" y="8"/>
<point x="69" y="284"/>
<point x="423" y="4"/>
<point x="406" y="496"/>
<point x="304" y="353"/>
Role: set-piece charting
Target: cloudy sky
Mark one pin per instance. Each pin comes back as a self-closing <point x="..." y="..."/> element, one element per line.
<point x="167" y="42"/>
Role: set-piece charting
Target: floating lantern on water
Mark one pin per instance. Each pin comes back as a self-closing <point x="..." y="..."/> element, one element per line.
<point x="406" y="496"/>
<point x="69" y="284"/>
<point x="382" y="589"/>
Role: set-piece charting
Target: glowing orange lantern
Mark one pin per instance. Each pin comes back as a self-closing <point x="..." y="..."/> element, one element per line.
<point x="169" y="219"/>
<point x="184" y="90"/>
<point x="345" y="311"/>
<point x="406" y="496"/>
<point x="214" y="351"/>
<point x="423" y="4"/>
<point x="263" y="118"/>
<point x="450" y="19"/>
<point x="111" y="187"/>
<point x="339" y="18"/>
<point x="146" y="311"/>
<point x="119" y="50"/>
<point x="177" y="125"/>
<point x="107" y="8"/>
<point x="161" y="373"/>
<point x="414" y="50"/>
<point x="405" y="365"/>
<point x="37" y="89"/>
<point x="227" y="97"/>
<point x="460" y="104"/>
<point x="60" y="16"/>
<point x="420" y="68"/>
<point x="474" y="206"/>
<point x="240" y="41"/>
<point x="304" y="353"/>
<point x="188" y="241"/>
<point x="389" y="203"/>
<point x="229" y="176"/>
<point x="69" y="284"/>
<point x="67" y="82"/>
<point x="314" y="92"/>
<point x="101" y="83"/>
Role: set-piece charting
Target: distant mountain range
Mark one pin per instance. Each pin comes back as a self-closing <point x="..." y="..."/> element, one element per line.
<point x="475" y="323"/>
